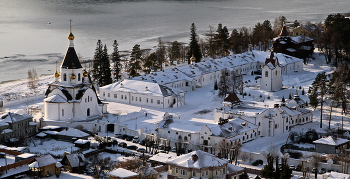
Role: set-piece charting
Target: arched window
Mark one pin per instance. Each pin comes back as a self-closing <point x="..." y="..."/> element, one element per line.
<point x="64" y="77"/>
<point x="185" y="138"/>
<point x="259" y="124"/>
<point x="88" y="112"/>
<point x="276" y="72"/>
<point x="266" y="74"/>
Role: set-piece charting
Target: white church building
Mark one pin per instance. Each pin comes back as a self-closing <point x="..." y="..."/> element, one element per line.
<point x="271" y="79"/>
<point x="72" y="96"/>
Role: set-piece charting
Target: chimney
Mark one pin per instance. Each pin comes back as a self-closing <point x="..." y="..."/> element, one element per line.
<point x="194" y="157"/>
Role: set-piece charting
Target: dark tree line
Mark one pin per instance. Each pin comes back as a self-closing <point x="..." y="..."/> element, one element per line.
<point x="335" y="41"/>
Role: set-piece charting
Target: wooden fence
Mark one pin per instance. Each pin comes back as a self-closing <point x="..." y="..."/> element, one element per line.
<point x="252" y="170"/>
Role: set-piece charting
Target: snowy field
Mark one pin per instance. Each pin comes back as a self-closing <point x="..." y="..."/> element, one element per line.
<point x="206" y="98"/>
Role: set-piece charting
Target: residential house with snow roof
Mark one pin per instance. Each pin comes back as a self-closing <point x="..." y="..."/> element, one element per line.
<point x="45" y="165"/>
<point x="299" y="46"/>
<point x="15" y="126"/>
<point x="271" y="79"/>
<point x="73" y="163"/>
<point x="72" y="95"/>
<point x="331" y="145"/>
<point x="143" y="93"/>
<point x="200" y="164"/>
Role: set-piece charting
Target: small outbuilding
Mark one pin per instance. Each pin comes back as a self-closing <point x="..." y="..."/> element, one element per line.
<point x="331" y="145"/>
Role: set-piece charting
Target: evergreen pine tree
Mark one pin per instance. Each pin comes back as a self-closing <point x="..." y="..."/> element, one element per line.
<point x="283" y="100"/>
<point x="303" y="92"/>
<point x="244" y="176"/>
<point x="117" y="65"/>
<point x="135" y="61"/>
<point x="96" y="65"/>
<point x="257" y="177"/>
<point x="313" y="100"/>
<point x="105" y="69"/>
<point x="194" y="46"/>
<point x="290" y="96"/>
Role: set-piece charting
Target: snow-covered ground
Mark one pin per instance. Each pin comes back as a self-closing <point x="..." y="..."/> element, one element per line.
<point x="202" y="99"/>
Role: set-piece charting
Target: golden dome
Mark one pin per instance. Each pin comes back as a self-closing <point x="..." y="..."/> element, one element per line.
<point x="70" y="36"/>
<point x="192" y="59"/>
<point x="85" y="74"/>
<point x="57" y="74"/>
<point x="72" y="76"/>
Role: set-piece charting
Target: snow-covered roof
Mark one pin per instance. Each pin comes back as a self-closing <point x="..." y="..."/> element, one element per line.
<point x="336" y="175"/>
<point x="168" y="76"/>
<point x="73" y="133"/>
<point x="161" y="157"/>
<point x="41" y="134"/>
<point x="55" y="99"/>
<point x="233" y="168"/>
<point x="6" y="131"/>
<point x="14" y="117"/>
<point x="51" y="127"/>
<point x="142" y="87"/>
<point x="204" y="160"/>
<point x="122" y="173"/>
<point x="300" y="38"/>
<point x="26" y="155"/>
<point x="81" y="141"/>
<point x="331" y="141"/>
<point x="74" y="159"/>
<point x="44" y="161"/>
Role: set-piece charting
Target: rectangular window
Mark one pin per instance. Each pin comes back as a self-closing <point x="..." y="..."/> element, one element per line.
<point x="104" y="94"/>
<point x="140" y="99"/>
<point x="62" y="112"/>
<point x="90" y="98"/>
<point x="126" y="97"/>
<point x="132" y="98"/>
<point x="85" y="99"/>
<point x="275" y="126"/>
<point x="151" y="100"/>
<point x="115" y="95"/>
<point x="122" y="97"/>
<point x="109" y="95"/>
<point x="136" y="99"/>
<point x="158" y="101"/>
<point x="193" y="173"/>
<point x="176" y="170"/>
<point x="183" y="172"/>
<point x="147" y="100"/>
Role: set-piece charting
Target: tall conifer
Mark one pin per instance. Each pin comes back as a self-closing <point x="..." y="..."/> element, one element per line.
<point x="115" y="58"/>
<point x="194" y="46"/>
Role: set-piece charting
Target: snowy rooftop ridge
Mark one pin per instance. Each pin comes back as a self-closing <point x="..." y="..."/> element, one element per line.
<point x="142" y="87"/>
<point x="204" y="160"/>
<point x="331" y="141"/>
<point x="122" y="173"/>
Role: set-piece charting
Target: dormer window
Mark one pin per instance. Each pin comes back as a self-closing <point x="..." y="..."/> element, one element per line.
<point x="266" y="74"/>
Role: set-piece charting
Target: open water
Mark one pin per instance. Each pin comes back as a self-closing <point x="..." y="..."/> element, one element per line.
<point x="33" y="33"/>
